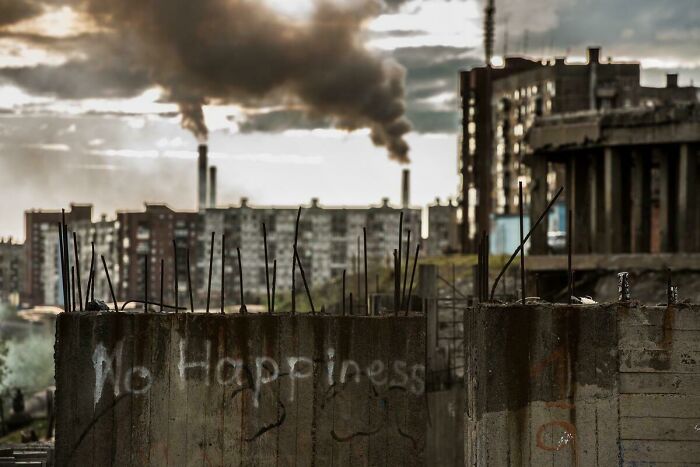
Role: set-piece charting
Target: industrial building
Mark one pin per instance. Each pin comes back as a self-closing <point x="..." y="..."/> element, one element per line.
<point x="630" y="176"/>
<point x="501" y="104"/>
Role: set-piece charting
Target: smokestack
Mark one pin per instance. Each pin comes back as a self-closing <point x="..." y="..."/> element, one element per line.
<point x="212" y="186"/>
<point x="405" y="188"/>
<point x="202" y="177"/>
<point x="593" y="55"/>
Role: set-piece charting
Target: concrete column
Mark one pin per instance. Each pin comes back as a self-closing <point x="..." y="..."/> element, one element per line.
<point x="640" y="216"/>
<point x="538" y="203"/>
<point x="596" y="177"/>
<point x="613" y="200"/>
<point x="687" y="222"/>
<point x="667" y="178"/>
<point x="580" y="189"/>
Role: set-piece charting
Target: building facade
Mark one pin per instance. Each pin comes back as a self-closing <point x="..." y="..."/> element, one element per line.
<point x="11" y="271"/>
<point x="42" y="280"/>
<point x="444" y="233"/>
<point x="501" y="104"/>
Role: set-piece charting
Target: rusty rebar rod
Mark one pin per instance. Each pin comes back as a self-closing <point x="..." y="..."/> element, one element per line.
<point x="63" y="267"/>
<point x="90" y="274"/>
<point x="162" y="271"/>
<point x="364" y="251"/>
<point x="351" y="312"/>
<point x="243" y="309"/>
<point x="223" y="271"/>
<point x="189" y="281"/>
<point x="294" y="263"/>
<point x="94" y="271"/>
<point x="145" y="283"/>
<point x="398" y="251"/>
<point x="267" y="270"/>
<point x="517" y="250"/>
<point x="72" y="283"/>
<point x="405" y="270"/>
<point x="303" y="278"/>
<point x="522" y="242"/>
<point x="343" y="296"/>
<point x="487" y="253"/>
<point x="413" y="273"/>
<point x="177" y="288"/>
<point x="569" y="250"/>
<point x="397" y="283"/>
<point x="77" y="270"/>
<point x="211" y="264"/>
<point x="65" y="255"/>
<point x="109" y="283"/>
<point x="358" y="289"/>
<point x="274" y="283"/>
<point x="165" y="305"/>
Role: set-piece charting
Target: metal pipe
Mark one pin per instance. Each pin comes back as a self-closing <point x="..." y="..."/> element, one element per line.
<point x="303" y="278"/>
<point x="77" y="267"/>
<point x="413" y="273"/>
<point x="211" y="264"/>
<point x="189" y="281"/>
<point x="267" y="271"/>
<point x="223" y="271"/>
<point x="517" y="250"/>
<point x="243" y="309"/>
<point x="109" y="282"/>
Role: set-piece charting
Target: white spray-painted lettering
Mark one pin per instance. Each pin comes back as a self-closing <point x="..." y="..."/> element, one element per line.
<point x="260" y="371"/>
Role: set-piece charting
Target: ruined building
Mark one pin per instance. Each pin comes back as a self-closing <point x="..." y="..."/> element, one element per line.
<point x="501" y="104"/>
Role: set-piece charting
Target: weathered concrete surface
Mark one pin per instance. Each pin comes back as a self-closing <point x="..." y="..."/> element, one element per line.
<point x="194" y="389"/>
<point x="582" y="385"/>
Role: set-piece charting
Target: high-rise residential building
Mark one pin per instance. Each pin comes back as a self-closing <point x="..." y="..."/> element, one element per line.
<point x="42" y="279"/>
<point x="150" y="234"/>
<point x="500" y="105"/>
<point x="12" y="262"/>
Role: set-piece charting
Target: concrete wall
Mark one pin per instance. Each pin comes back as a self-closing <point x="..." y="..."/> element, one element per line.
<point x="195" y="389"/>
<point x="582" y="385"/>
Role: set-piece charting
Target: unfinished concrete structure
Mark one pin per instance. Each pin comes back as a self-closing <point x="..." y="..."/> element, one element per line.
<point x="629" y="175"/>
<point x="190" y="388"/>
<point x="582" y="385"/>
<point x="500" y="104"/>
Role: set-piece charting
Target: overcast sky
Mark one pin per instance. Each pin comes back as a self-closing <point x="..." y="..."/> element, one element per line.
<point x="92" y="94"/>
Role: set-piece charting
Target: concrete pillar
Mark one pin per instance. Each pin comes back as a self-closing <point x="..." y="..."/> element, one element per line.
<point x="640" y="187"/>
<point x="579" y="188"/>
<point x="597" y="203"/>
<point x="667" y="184"/>
<point x="613" y="200"/>
<point x="687" y="221"/>
<point x="538" y="203"/>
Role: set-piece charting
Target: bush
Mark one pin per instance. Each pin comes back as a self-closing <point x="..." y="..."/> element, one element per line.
<point x="28" y="365"/>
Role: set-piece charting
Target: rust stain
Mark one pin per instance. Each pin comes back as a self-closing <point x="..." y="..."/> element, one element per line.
<point x="567" y="439"/>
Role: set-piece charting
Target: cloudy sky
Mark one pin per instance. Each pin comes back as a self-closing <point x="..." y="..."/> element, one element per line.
<point x="93" y="92"/>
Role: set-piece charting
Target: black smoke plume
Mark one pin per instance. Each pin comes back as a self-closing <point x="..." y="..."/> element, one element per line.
<point x="243" y="51"/>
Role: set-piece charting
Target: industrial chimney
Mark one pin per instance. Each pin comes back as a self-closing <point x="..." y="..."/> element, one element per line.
<point x="405" y="188"/>
<point x="212" y="186"/>
<point x="202" y="177"/>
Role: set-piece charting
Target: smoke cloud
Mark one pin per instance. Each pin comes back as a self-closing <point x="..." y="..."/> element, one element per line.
<point x="13" y="11"/>
<point x="224" y="51"/>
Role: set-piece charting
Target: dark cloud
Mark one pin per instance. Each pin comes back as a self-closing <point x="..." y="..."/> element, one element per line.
<point x="13" y="11"/>
<point x="281" y="120"/>
<point x="238" y="51"/>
